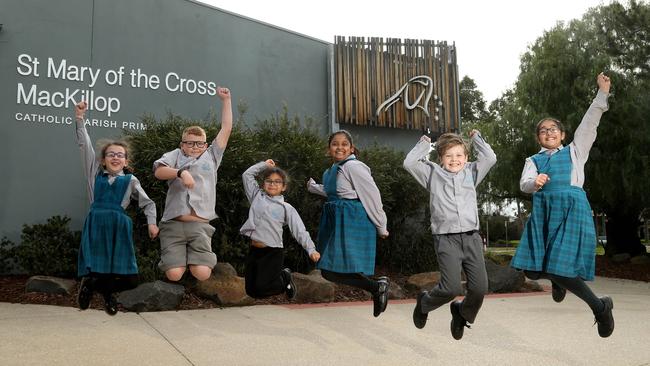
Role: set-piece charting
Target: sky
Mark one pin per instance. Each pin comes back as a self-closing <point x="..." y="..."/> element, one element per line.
<point x="490" y="36"/>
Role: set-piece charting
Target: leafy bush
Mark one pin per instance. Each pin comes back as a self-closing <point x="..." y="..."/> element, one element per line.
<point x="46" y="249"/>
<point x="300" y="150"/>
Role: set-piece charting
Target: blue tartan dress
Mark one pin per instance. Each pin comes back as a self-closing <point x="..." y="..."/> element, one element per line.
<point x="107" y="240"/>
<point x="346" y="236"/>
<point x="559" y="237"/>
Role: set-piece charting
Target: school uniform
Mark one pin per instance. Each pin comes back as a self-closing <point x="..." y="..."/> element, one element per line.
<point x="559" y="237"/>
<point x="455" y="225"/>
<point x="266" y="219"/>
<point x="352" y="217"/>
<point x="107" y="248"/>
<point x="184" y="243"/>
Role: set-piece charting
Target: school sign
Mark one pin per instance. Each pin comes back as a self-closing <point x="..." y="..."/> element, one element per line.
<point x="128" y="59"/>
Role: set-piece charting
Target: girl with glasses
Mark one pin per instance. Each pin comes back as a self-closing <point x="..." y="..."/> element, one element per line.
<point x="265" y="274"/>
<point x="559" y="239"/>
<point x="107" y="262"/>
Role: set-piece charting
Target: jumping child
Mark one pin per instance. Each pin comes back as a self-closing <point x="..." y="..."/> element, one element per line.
<point x="454" y="223"/>
<point x="352" y="217"/>
<point x="191" y="174"/>
<point x="267" y="216"/>
<point x="107" y="262"/>
<point x="559" y="239"/>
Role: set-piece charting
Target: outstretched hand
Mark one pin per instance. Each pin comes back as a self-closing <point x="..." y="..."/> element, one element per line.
<point x="604" y="83"/>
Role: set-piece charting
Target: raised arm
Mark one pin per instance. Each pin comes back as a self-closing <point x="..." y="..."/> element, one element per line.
<point x="226" y="118"/>
<point x="585" y="134"/>
<point x="485" y="157"/>
<point x="251" y="187"/>
<point x="416" y="162"/>
<point x="88" y="158"/>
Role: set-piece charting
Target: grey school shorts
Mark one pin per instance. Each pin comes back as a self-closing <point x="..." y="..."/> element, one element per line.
<point x="183" y="243"/>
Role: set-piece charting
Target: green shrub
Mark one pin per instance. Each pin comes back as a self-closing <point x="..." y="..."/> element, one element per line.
<point x="45" y="249"/>
<point x="299" y="149"/>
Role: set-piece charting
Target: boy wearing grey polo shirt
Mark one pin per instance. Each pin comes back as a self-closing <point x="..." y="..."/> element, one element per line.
<point x="191" y="173"/>
<point x="454" y="224"/>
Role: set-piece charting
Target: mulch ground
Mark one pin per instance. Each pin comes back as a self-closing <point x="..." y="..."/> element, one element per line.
<point x="12" y="289"/>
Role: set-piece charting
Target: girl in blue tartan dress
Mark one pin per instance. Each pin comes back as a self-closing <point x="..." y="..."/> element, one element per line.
<point x="559" y="239"/>
<point x="106" y="262"/>
<point x="351" y="219"/>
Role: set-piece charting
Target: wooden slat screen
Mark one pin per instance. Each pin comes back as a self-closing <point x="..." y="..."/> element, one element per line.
<point x="371" y="70"/>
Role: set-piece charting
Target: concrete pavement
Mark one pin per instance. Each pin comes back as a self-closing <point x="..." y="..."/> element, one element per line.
<point x="514" y="329"/>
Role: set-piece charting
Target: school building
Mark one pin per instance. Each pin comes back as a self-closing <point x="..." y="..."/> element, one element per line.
<point x="150" y="57"/>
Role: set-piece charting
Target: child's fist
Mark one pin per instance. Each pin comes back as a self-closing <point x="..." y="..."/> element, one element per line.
<point x="315" y="257"/>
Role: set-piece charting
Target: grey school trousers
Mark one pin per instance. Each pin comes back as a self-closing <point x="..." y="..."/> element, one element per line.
<point x="458" y="252"/>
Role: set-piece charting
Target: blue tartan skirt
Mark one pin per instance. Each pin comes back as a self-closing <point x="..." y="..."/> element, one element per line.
<point x="107" y="242"/>
<point x="559" y="237"/>
<point x="347" y="239"/>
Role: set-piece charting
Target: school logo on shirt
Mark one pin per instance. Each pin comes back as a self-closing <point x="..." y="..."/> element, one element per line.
<point x="277" y="212"/>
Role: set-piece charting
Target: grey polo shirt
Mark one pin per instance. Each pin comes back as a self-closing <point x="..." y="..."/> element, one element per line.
<point x="202" y="198"/>
<point x="453" y="195"/>
<point x="583" y="139"/>
<point x="268" y="215"/>
<point x="91" y="167"/>
<point x="354" y="181"/>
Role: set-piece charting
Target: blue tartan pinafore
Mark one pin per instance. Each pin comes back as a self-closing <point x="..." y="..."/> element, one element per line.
<point x="346" y="236"/>
<point x="559" y="237"/>
<point x="107" y="240"/>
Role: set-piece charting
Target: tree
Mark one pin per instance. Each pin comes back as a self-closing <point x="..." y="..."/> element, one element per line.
<point x="558" y="79"/>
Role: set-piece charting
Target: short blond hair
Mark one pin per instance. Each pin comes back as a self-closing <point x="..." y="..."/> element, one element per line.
<point x="194" y="130"/>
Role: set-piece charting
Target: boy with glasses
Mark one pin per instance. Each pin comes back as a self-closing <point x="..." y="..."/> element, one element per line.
<point x="191" y="174"/>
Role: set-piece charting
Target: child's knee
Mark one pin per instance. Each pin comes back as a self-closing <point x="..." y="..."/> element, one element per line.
<point x="201" y="273"/>
<point x="175" y="274"/>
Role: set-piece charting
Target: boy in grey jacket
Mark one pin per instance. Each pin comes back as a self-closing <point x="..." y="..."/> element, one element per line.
<point x="454" y="224"/>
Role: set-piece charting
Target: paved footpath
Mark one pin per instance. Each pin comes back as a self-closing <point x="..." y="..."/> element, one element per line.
<point x="513" y="329"/>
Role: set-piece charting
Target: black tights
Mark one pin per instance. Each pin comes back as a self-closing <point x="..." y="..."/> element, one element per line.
<point x="107" y="284"/>
<point x="576" y="285"/>
<point x="357" y="280"/>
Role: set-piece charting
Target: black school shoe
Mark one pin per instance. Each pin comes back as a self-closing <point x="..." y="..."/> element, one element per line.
<point x="458" y="323"/>
<point x="85" y="293"/>
<point x="419" y="318"/>
<point x="380" y="299"/>
<point x="558" y="292"/>
<point x="110" y="305"/>
<point x="605" y="319"/>
<point x="290" y="289"/>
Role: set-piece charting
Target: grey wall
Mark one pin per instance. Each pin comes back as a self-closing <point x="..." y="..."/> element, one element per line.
<point x="264" y="66"/>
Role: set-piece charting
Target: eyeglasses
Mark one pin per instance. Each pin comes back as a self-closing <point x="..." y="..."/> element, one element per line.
<point x="546" y="131"/>
<point x="272" y="182"/>
<point x="119" y="155"/>
<point x="198" y="144"/>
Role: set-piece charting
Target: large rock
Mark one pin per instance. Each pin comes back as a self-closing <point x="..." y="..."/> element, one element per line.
<point x="621" y="257"/>
<point x="395" y="291"/>
<point x="422" y="281"/>
<point x="152" y="296"/>
<point x="50" y="285"/>
<point x="313" y="288"/>
<point x="224" y="288"/>
<point x="640" y="259"/>
<point x="503" y="278"/>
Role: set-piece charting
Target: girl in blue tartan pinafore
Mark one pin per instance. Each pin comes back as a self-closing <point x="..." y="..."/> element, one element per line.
<point x="106" y="260"/>
<point x="559" y="239"/>
<point x="351" y="219"/>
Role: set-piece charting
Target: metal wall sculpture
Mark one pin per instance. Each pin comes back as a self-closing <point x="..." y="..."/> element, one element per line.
<point x="409" y="84"/>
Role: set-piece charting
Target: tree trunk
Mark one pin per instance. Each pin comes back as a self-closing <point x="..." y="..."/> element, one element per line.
<point x="622" y="234"/>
